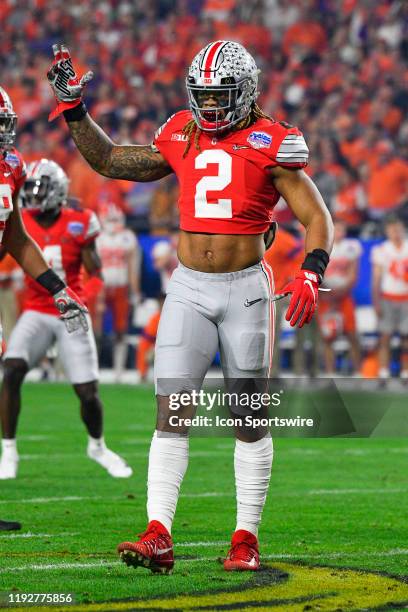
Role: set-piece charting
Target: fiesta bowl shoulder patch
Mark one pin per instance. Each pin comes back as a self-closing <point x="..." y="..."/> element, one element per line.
<point x="260" y="140"/>
<point x="12" y="160"/>
<point x="75" y="228"/>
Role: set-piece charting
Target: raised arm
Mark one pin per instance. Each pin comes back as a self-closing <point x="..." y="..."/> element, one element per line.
<point x="131" y="162"/>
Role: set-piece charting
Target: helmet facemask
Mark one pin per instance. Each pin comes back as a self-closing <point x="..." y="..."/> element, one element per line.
<point x="8" y="124"/>
<point x="38" y="196"/>
<point x="8" y="121"/>
<point x="232" y="105"/>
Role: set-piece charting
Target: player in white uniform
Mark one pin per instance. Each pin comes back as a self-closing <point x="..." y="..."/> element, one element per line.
<point x="390" y="293"/>
<point x="120" y="256"/>
<point x="336" y="313"/>
<point x="67" y="238"/>
<point x="164" y="257"/>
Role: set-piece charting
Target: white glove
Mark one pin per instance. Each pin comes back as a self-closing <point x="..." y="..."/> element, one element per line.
<point x="73" y="311"/>
<point x="67" y="87"/>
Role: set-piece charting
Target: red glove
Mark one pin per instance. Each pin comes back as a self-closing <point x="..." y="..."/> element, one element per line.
<point x="73" y="311"/>
<point x="304" y="289"/>
<point x="67" y="87"/>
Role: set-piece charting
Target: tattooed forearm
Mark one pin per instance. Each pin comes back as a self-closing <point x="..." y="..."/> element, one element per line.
<point x="130" y="162"/>
<point x="137" y="163"/>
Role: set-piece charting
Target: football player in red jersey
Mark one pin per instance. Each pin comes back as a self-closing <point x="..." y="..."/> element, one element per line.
<point x="14" y="238"/>
<point x="67" y="239"/>
<point x="233" y="163"/>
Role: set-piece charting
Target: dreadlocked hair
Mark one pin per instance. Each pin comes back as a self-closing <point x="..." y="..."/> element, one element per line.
<point x="191" y="128"/>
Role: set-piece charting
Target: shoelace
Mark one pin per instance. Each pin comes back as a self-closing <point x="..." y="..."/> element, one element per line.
<point x="153" y="540"/>
<point x="247" y="555"/>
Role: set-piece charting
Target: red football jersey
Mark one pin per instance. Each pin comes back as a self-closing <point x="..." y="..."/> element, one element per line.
<point x="61" y="245"/>
<point x="12" y="176"/>
<point x="225" y="187"/>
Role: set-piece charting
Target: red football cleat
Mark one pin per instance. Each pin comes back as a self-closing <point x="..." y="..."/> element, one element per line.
<point x="244" y="553"/>
<point x="154" y="550"/>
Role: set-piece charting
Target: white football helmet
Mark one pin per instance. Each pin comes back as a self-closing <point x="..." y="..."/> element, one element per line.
<point x="46" y="187"/>
<point x="226" y="70"/>
<point x="8" y="121"/>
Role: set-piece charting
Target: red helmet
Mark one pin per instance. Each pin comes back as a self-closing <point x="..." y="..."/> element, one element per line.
<point x="8" y="121"/>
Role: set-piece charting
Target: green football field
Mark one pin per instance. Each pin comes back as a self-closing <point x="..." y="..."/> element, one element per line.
<point x="334" y="534"/>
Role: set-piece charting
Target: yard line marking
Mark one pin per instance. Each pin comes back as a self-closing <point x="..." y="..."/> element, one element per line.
<point x="276" y="493"/>
<point x="54" y="566"/>
<point x="39" y="535"/>
<point x="34" y="438"/>
<point x="49" y="500"/>
<point x="354" y="491"/>
<point x="106" y="563"/>
<point x="142" y="454"/>
<point x="336" y="555"/>
<point x="72" y="498"/>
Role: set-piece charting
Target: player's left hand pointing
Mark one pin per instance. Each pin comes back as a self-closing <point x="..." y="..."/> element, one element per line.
<point x="73" y="311"/>
<point x="66" y="85"/>
<point x="304" y="289"/>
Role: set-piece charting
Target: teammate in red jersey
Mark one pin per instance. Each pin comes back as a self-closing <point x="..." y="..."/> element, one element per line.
<point x="15" y="240"/>
<point x="67" y="238"/>
<point x="13" y="237"/>
<point x="232" y="163"/>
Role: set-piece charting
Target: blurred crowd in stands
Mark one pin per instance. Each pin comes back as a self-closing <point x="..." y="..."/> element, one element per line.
<point x="336" y="68"/>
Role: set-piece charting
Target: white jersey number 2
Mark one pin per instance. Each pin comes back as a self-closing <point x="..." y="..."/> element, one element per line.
<point x="222" y="208"/>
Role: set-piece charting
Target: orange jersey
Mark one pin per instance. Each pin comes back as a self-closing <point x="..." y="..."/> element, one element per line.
<point x="61" y="244"/>
<point x="8" y="268"/>
<point x="147" y="342"/>
<point x="225" y="186"/>
<point x="336" y="317"/>
<point x="285" y="257"/>
<point x="387" y="185"/>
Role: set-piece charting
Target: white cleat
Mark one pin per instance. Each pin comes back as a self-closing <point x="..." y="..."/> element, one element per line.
<point x="8" y="466"/>
<point x="113" y="463"/>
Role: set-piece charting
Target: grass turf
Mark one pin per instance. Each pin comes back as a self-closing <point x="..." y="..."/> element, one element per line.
<point x="335" y="502"/>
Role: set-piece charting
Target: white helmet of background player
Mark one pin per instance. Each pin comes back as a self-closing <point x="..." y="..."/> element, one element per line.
<point x="227" y="70"/>
<point x="111" y="217"/>
<point x="46" y="187"/>
<point x="8" y="121"/>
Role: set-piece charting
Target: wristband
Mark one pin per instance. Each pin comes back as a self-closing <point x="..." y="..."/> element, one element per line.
<point x="51" y="281"/>
<point x="316" y="261"/>
<point x="75" y="114"/>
